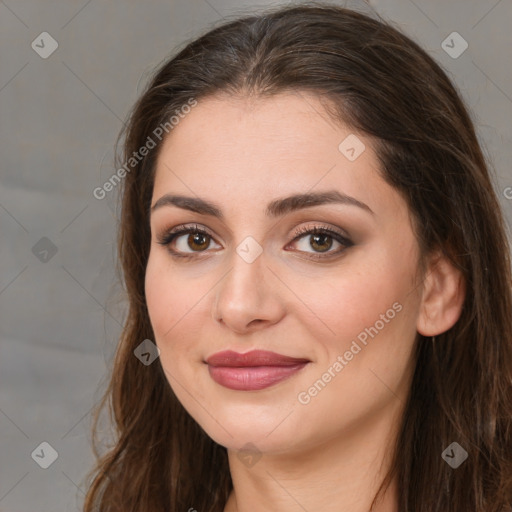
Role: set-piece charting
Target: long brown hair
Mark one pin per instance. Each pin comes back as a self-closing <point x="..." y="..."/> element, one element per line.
<point x="381" y="83"/>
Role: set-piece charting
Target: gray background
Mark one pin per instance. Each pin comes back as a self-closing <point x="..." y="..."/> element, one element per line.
<point x="61" y="314"/>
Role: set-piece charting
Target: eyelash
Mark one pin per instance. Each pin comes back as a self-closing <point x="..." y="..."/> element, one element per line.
<point x="167" y="238"/>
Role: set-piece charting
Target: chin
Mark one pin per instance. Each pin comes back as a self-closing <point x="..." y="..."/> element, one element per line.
<point x="236" y="427"/>
<point x="270" y="419"/>
<point x="252" y="440"/>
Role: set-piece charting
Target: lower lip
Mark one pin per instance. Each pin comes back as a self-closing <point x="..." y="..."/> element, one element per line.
<point x="252" y="378"/>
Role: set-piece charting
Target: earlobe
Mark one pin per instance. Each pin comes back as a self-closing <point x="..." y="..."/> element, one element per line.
<point x="443" y="296"/>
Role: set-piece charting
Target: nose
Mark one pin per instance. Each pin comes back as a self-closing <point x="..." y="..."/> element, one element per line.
<point x="248" y="297"/>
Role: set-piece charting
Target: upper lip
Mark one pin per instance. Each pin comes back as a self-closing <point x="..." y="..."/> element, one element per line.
<point x="252" y="358"/>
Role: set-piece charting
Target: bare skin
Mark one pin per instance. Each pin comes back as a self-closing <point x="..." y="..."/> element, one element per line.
<point x="302" y="297"/>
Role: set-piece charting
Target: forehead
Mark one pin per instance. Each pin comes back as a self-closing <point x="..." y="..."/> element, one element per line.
<point x="247" y="151"/>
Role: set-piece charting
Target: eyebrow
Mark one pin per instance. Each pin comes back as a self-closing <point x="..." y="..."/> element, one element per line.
<point x="275" y="208"/>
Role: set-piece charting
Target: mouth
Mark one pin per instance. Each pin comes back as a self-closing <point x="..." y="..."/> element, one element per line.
<point x="253" y="370"/>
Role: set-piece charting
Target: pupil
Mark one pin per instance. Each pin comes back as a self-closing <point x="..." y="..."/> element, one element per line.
<point x="195" y="240"/>
<point x="322" y="237"/>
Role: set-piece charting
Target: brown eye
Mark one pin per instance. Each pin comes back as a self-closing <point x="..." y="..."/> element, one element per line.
<point x="315" y="241"/>
<point x="198" y="241"/>
<point x="321" y="242"/>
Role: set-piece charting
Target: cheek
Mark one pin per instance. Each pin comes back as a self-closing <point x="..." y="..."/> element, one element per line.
<point x="178" y="310"/>
<point x="169" y="298"/>
<point x="168" y="295"/>
<point x="371" y="314"/>
<point x="355" y="299"/>
<point x="159" y="296"/>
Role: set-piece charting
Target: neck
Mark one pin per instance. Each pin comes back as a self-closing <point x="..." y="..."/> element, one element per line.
<point x="342" y="474"/>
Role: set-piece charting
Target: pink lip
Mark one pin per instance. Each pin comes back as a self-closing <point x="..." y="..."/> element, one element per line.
<point x="253" y="370"/>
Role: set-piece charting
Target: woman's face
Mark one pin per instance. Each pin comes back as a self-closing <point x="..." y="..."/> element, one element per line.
<point x="342" y="303"/>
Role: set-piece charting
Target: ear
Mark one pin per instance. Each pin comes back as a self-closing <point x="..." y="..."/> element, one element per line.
<point x="442" y="298"/>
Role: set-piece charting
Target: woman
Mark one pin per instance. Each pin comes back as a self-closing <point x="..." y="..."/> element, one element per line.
<point x="318" y="280"/>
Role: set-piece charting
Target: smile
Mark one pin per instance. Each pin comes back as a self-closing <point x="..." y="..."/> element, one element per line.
<point x="253" y="370"/>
